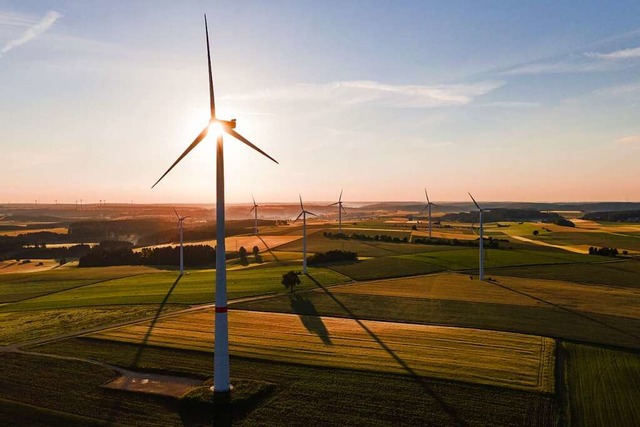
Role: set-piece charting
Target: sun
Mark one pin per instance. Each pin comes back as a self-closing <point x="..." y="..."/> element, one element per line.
<point x="215" y="129"/>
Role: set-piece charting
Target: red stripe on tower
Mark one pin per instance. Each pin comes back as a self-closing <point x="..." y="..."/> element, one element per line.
<point x="221" y="309"/>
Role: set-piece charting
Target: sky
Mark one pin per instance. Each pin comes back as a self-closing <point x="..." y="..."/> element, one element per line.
<point x="512" y="101"/>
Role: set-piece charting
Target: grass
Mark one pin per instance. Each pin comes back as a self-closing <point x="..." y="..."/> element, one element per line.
<point x="305" y="394"/>
<point x="32" y="325"/>
<point x="196" y="287"/>
<point x="468" y="258"/>
<point x="17" y="287"/>
<point x="621" y="273"/>
<point x="387" y="267"/>
<point x="603" y="386"/>
<point x="475" y="356"/>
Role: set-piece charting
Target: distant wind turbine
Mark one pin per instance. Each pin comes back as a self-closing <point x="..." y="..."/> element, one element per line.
<point x="340" y="210"/>
<point x="303" y="214"/>
<point x="180" y="226"/>
<point x="481" y="255"/>
<point x="254" y="209"/>
<point x="428" y="206"/>
<point x="221" y="386"/>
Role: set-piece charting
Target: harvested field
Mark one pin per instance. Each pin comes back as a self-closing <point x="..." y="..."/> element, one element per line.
<point x="484" y="357"/>
<point x="12" y="266"/>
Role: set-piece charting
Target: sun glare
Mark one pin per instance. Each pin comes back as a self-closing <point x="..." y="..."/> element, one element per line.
<point x="215" y="129"/>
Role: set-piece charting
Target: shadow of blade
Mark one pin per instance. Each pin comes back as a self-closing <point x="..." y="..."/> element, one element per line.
<point x="310" y="317"/>
<point x="421" y="381"/>
<point x="270" y="251"/>
<point x="147" y="335"/>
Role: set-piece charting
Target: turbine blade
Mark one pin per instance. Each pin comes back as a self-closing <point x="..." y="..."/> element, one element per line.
<point x="298" y="217"/>
<point x="211" y="97"/>
<point x="189" y="148"/>
<point x="423" y="209"/>
<point x="254" y="200"/>
<point x="239" y="137"/>
<point x="427" y="195"/>
<point x="301" y="206"/>
<point x="311" y="213"/>
<point x="251" y="210"/>
<point x="333" y="204"/>
<point x="176" y="212"/>
<point x="474" y="202"/>
<point x="340" y="198"/>
<point x="343" y="209"/>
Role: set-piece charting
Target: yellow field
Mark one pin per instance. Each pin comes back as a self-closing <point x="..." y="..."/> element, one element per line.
<point x="12" y="266"/>
<point x="248" y="242"/>
<point x="470" y="355"/>
<point x="621" y="302"/>
<point x="13" y="233"/>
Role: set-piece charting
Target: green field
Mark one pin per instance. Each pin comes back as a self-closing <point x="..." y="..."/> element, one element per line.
<point x="617" y="240"/>
<point x="20" y="286"/>
<point x="379" y="268"/>
<point x="603" y="386"/>
<point x="305" y="394"/>
<point x="620" y="273"/>
<point x="30" y="325"/>
<point x="196" y="287"/>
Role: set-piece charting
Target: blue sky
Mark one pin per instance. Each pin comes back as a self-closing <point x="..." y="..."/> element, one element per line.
<point x="512" y="101"/>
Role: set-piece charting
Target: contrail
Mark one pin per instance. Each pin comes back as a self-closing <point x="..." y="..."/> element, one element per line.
<point x="31" y="33"/>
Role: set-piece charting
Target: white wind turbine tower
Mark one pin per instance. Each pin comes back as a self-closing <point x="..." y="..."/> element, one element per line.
<point x="481" y="255"/>
<point x="180" y="226"/>
<point x="428" y="207"/>
<point x="254" y="209"/>
<point x="221" y="386"/>
<point x="303" y="214"/>
<point x="340" y="210"/>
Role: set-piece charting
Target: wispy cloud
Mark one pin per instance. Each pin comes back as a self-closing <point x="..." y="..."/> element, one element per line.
<point x="573" y="64"/>
<point x="629" y="140"/>
<point x="619" y="90"/>
<point x="616" y="55"/>
<point x="510" y="104"/>
<point x="32" y="32"/>
<point x="370" y="92"/>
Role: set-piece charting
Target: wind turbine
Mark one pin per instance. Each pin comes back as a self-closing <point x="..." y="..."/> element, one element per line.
<point x="340" y="209"/>
<point x="254" y="209"/>
<point x="481" y="259"/>
<point x="303" y="214"/>
<point x="428" y="206"/>
<point x="180" y="225"/>
<point x="221" y="386"/>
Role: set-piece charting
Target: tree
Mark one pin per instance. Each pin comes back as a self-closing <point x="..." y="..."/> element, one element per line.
<point x="290" y="280"/>
<point x="63" y="261"/>
<point x="243" y="256"/>
<point x="536" y="232"/>
<point x="256" y="254"/>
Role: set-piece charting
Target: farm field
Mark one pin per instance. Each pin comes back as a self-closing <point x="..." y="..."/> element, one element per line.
<point x="483" y="357"/>
<point x="524" y="314"/>
<point x="603" y="386"/>
<point x="12" y="266"/>
<point x="248" y="242"/>
<point x="305" y="394"/>
<point x="600" y="239"/>
<point x="13" y="233"/>
<point x="18" y="287"/>
<point x="624" y="273"/>
<point x="164" y="287"/>
<point x="623" y="302"/>
<point x="33" y="325"/>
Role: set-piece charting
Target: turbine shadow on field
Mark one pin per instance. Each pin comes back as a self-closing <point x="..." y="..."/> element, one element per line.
<point x="270" y="251"/>
<point x="143" y="344"/>
<point x="310" y="317"/>
<point x="136" y="360"/>
<point x="636" y="338"/>
<point x="421" y="381"/>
